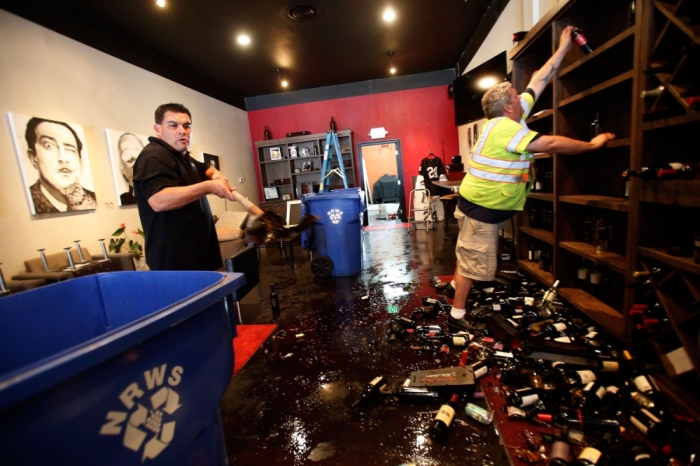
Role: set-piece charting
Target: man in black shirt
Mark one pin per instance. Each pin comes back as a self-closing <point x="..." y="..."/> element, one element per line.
<point x="171" y="189"/>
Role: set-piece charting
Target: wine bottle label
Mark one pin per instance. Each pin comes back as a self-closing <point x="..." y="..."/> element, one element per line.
<point x="610" y="366"/>
<point x="612" y="389"/>
<point x="478" y="413"/>
<point x="650" y="415"/>
<point x="641" y="457"/>
<point x="582" y="274"/>
<point x="445" y="414"/>
<point x="376" y="380"/>
<point x="560" y="326"/>
<point x="638" y="424"/>
<point x="481" y="371"/>
<point x="561" y="450"/>
<point x="563" y="339"/>
<point x="595" y="278"/>
<point x="642" y="384"/>
<point x="601" y="392"/>
<point x="512" y="411"/>
<point x="586" y="376"/>
<point x="580" y="39"/>
<point x="513" y="323"/>
<point x="528" y="400"/>
<point x="496" y="307"/>
<point x="576" y="437"/>
<point x="459" y="341"/>
<point x="588" y="386"/>
<point x="590" y="454"/>
<point x="591" y="335"/>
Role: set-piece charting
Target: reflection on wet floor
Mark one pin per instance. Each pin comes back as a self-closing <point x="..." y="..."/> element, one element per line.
<point x="291" y="403"/>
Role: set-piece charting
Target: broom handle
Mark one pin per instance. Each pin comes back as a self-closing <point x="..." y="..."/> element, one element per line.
<point x="250" y="207"/>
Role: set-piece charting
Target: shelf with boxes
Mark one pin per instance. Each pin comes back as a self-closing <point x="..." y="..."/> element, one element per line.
<point x="290" y="167"/>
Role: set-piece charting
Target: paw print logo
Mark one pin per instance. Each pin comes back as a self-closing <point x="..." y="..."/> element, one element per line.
<point x="335" y="215"/>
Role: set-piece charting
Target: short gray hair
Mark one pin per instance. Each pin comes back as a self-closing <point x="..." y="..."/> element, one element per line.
<point x="495" y="98"/>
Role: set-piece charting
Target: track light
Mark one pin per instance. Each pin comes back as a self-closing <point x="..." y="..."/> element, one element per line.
<point x="392" y="70"/>
<point x="283" y="82"/>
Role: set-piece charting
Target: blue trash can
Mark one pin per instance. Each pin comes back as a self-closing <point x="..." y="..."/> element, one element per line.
<point x="337" y="236"/>
<point x="116" y="368"/>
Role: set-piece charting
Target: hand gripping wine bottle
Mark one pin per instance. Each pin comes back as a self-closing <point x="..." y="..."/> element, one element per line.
<point x="274" y="303"/>
<point x="581" y="40"/>
<point x="443" y="419"/>
<point x="371" y="390"/>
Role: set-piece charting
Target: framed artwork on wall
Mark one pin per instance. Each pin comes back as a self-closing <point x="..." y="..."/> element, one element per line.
<point x="54" y="164"/>
<point x="123" y="149"/>
<point x="212" y="161"/>
<point x="275" y="153"/>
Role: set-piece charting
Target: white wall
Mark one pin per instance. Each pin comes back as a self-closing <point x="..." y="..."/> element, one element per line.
<point x="519" y="15"/>
<point x="48" y="75"/>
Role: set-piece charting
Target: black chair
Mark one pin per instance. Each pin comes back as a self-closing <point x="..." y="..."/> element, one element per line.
<point x="245" y="261"/>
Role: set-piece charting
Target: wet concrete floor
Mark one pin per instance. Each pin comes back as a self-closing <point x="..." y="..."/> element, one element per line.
<point x="291" y="403"/>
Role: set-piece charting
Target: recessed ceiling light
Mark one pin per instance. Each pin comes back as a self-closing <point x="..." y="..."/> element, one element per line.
<point x="284" y="83"/>
<point x="389" y="15"/>
<point x="486" y="83"/>
<point x="160" y="3"/>
<point x="392" y="70"/>
<point x="243" y="39"/>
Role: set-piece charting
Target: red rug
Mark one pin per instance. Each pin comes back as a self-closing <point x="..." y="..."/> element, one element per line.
<point x="249" y="339"/>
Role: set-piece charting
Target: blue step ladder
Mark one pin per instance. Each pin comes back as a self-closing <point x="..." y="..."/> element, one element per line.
<point x="326" y="164"/>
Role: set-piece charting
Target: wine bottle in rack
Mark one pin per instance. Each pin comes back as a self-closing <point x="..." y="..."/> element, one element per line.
<point x="626" y="181"/>
<point x="582" y="275"/>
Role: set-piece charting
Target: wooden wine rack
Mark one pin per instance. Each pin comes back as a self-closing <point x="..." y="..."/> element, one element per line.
<point x="658" y="46"/>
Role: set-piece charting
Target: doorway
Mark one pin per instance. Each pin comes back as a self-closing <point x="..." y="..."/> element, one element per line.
<point x="381" y="178"/>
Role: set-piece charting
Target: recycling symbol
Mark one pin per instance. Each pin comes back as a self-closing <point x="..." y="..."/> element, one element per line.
<point x="144" y="422"/>
<point x="335" y="215"/>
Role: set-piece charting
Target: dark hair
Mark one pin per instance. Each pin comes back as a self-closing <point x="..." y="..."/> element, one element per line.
<point x="171" y="107"/>
<point x="30" y="133"/>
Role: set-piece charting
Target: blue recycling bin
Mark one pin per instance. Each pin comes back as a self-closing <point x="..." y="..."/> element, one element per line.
<point x="116" y="369"/>
<point x="337" y="236"/>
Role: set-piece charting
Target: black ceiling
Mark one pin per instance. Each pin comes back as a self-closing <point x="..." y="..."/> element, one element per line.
<point x="194" y="42"/>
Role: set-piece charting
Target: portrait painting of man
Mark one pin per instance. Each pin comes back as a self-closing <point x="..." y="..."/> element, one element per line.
<point x="124" y="148"/>
<point x="54" y="163"/>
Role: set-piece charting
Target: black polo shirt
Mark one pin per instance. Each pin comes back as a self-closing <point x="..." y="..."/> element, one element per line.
<point x="180" y="239"/>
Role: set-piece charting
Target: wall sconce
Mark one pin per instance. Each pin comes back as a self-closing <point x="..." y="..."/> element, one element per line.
<point x="282" y="81"/>
<point x="392" y="70"/>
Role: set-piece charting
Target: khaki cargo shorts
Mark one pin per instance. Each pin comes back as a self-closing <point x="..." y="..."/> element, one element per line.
<point x="477" y="244"/>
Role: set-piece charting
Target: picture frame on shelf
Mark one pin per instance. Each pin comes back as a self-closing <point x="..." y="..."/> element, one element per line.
<point x="271" y="193"/>
<point x="306" y="166"/>
<point x="275" y="153"/>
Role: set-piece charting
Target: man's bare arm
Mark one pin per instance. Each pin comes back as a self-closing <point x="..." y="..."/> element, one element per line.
<point x="567" y="146"/>
<point x="544" y="75"/>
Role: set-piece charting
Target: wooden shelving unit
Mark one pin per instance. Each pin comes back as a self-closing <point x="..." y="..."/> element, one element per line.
<point x="658" y="46"/>
<point x="286" y="167"/>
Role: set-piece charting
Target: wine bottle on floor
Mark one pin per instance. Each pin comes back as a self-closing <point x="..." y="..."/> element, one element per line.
<point x="274" y="303"/>
<point x="443" y="419"/>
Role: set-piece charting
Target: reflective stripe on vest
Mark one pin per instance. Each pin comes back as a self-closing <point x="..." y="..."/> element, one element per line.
<point x="500" y="163"/>
<point x="500" y="177"/>
<point x="485" y="134"/>
<point x="517" y="138"/>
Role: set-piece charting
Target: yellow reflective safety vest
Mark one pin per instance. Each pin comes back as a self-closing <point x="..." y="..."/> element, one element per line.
<point x="499" y="170"/>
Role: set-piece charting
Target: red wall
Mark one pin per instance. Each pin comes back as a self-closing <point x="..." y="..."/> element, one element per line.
<point x="421" y="119"/>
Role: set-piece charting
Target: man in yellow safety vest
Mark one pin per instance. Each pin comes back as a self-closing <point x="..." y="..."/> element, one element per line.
<point x="498" y="179"/>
